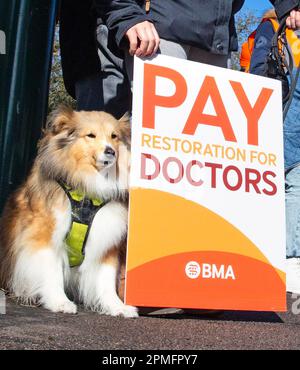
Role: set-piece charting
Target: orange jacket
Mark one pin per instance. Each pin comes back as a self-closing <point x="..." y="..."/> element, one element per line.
<point x="246" y="52"/>
<point x="247" y="47"/>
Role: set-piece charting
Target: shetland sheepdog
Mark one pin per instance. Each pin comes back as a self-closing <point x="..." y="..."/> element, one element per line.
<point x="89" y="152"/>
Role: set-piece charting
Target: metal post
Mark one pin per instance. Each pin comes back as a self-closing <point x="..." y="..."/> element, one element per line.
<point x="26" y="38"/>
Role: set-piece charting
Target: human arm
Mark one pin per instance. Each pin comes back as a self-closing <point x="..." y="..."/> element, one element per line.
<point x="262" y="47"/>
<point x="127" y="18"/>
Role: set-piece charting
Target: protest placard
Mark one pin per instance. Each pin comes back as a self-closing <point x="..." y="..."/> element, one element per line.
<point x="207" y="217"/>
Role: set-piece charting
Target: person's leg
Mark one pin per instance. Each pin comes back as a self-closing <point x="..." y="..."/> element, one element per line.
<point x="183" y="51"/>
<point x="292" y="201"/>
<point x="169" y="48"/>
<point x="89" y="93"/>
<point x="291" y="130"/>
<point x="174" y="49"/>
<point x="202" y="56"/>
<point x="108" y="90"/>
<point x="115" y="84"/>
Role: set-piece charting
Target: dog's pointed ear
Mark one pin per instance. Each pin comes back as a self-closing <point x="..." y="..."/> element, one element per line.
<point x="60" y="119"/>
<point x="125" y="128"/>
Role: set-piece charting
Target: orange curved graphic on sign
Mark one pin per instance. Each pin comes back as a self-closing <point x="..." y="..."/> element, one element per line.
<point x="168" y="282"/>
<point x="185" y="226"/>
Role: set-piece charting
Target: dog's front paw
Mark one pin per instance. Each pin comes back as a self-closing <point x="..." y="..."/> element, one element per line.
<point x="122" y="310"/>
<point x="65" y="306"/>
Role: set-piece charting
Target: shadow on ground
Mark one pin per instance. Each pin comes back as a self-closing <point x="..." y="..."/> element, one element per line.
<point x="36" y="328"/>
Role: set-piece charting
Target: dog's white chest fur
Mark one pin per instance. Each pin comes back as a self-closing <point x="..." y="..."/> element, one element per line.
<point x="63" y="220"/>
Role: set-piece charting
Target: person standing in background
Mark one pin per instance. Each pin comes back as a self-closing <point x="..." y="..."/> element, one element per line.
<point x="291" y="132"/>
<point x="93" y="71"/>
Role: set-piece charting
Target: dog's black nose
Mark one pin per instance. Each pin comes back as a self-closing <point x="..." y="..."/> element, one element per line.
<point x="109" y="151"/>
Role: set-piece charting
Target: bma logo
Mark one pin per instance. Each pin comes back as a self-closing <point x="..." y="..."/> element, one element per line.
<point x="208" y="271"/>
<point x="2" y="42"/>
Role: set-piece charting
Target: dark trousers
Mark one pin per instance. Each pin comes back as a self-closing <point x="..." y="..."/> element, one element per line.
<point x="109" y="90"/>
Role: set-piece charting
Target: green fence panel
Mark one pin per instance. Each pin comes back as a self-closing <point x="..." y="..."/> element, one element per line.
<point x="26" y="39"/>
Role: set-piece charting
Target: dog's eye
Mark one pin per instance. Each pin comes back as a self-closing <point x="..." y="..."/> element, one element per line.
<point x="91" y="135"/>
<point x="114" y="136"/>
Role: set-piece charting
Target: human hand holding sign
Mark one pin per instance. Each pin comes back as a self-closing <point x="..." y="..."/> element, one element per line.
<point x="143" y="39"/>
<point x="293" y="21"/>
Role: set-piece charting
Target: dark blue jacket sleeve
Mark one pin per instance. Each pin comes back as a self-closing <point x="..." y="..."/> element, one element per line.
<point x="121" y="15"/>
<point x="262" y="47"/>
<point x="283" y="7"/>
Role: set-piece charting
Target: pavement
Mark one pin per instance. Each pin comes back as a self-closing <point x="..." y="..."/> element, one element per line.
<point x="36" y="328"/>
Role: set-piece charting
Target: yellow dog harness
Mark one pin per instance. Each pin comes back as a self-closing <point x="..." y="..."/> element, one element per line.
<point x="83" y="211"/>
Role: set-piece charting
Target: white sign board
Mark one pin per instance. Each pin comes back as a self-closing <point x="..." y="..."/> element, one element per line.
<point x="207" y="217"/>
